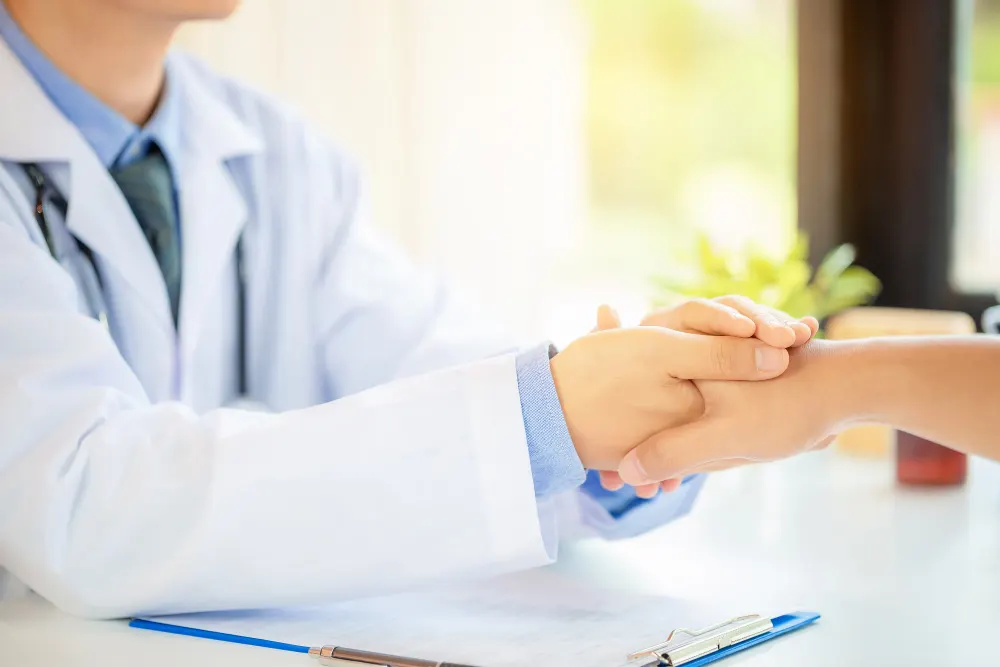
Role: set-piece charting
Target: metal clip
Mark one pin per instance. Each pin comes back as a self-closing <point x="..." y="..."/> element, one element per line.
<point x="697" y="643"/>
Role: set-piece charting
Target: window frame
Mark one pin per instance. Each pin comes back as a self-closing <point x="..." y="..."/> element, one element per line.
<point x="877" y="142"/>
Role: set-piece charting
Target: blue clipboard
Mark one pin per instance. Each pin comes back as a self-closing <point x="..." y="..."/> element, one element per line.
<point x="781" y="625"/>
<point x="716" y="640"/>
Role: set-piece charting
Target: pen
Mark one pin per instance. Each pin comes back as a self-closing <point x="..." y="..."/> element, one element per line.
<point x="338" y="656"/>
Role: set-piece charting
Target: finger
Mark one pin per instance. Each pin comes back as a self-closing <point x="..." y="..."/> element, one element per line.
<point x="699" y="357"/>
<point x="611" y="480"/>
<point x="670" y="453"/>
<point x="647" y="491"/>
<point x="607" y="318"/>
<point x="670" y="485"/>
<point x="805" y="328"/>
<point x="803" y="332"/>
<point x="771" y="329"/>
<point x="703" y="316"/>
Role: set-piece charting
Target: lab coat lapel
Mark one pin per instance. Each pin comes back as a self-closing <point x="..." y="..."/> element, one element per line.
<point x="33" y="130"/>
<point x="212" y="208"/>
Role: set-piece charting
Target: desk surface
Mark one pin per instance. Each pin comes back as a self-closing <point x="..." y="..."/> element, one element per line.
<point x="901" y="576"/>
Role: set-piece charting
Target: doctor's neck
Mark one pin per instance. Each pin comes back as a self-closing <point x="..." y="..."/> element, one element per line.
<point x="114" y="50"/>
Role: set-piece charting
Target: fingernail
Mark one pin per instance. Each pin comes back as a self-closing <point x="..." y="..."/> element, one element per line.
<point x="770" y="359"/>
<point x="632" y="471"/>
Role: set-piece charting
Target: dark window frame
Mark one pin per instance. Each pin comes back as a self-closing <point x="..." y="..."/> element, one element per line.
<point x="877" y="140"/>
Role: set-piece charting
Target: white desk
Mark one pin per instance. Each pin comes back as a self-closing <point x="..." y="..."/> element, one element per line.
<point x="901" y="576"/>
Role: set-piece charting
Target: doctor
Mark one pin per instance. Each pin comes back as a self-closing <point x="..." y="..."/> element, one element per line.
<point x="170" y="242"/>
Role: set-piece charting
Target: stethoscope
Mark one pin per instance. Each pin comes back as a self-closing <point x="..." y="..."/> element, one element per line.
<point x="91" y="278"/>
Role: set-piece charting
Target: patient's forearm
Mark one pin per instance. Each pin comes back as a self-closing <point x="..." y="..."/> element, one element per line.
<point x="945" y="389"/>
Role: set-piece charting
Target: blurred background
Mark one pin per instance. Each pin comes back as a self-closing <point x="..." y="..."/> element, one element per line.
<point x="549" y="155"/>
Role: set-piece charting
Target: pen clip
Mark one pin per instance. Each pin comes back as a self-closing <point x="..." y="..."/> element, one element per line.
<point x="325" y="657"/>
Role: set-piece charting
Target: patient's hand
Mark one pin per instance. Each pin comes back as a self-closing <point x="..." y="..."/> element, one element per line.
<point x="735" y="316"/>
<point x="747" y="422"/>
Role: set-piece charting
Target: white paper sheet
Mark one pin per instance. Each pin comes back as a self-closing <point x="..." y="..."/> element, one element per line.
<point x="534" y="618"/>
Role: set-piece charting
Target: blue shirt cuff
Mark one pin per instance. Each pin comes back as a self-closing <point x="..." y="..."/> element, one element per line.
<point x="617" y="503"/>
<point x="555" y="466"/>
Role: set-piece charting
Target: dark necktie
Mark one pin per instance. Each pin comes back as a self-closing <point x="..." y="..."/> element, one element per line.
<point x="148" y="187"/>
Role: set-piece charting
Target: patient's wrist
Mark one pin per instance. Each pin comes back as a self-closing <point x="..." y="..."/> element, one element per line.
<point x="858" y="376"/>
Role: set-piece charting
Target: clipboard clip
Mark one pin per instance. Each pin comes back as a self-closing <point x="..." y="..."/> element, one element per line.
<point x="683" y="645"/>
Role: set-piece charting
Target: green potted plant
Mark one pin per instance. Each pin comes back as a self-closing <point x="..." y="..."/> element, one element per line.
<point x="787" y="282"/>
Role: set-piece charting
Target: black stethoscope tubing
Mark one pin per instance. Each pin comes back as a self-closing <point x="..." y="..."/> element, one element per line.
<point x="40" y="184"/>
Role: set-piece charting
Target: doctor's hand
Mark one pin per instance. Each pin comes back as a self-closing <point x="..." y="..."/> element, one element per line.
<point x="735" y="316"/>
<point x="621" y="386"/>
<point x="747" y="422"/>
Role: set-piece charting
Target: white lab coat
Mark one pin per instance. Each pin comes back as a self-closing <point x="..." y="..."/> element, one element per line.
<point x="126" y="487"/>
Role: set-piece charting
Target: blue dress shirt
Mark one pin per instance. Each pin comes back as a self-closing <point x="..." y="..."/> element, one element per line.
<point x="117" y="142"/>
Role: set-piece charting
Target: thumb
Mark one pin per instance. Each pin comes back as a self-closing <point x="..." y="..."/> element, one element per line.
<point x="700" y="357"/>
<point x="669" y="453"/>
<point x="607" y="318"/>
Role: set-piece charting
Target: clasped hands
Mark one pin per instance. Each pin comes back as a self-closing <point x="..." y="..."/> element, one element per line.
<point x="694" y="388"/>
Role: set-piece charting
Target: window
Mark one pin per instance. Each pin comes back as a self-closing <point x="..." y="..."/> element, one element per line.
<point x="976" y="249"/>
<point x="690" y="126"/>
<point x="911" y="92"/>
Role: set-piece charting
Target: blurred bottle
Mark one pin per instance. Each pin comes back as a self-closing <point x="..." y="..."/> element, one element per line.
<point x="918" y="461"/>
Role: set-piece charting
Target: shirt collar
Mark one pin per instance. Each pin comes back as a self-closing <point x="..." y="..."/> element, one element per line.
<point x="115" y="139"/>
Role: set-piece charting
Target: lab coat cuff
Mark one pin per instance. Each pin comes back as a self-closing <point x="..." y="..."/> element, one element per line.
<point x="555" y="465"/>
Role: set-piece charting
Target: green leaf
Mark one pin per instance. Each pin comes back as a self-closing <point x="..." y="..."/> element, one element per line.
<point x="780" y="282"/>
<point x="799" y="303"/>
<point x="834" y="264"/>
<point x="711" y="262"/>
<point x="855" y="286"/>
<point x="761" y="269"/>
<point x="800" y="248"/>
<point x="793" y="279"/>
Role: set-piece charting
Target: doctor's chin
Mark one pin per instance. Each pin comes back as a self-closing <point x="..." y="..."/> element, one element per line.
<point x="567" y="332"/>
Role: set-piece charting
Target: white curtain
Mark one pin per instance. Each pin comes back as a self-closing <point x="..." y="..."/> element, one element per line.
<point x="465" y="116"/>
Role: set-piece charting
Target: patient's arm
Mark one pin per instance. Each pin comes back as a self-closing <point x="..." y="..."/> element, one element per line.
<point x="945" y="389"/>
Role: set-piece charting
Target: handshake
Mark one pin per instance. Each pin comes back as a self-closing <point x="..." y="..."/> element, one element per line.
<point x="697" y="388"/>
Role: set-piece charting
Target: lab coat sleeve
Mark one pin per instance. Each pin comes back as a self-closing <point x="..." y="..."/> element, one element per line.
<point x="111" y="506"/>
<point x="383" y="318"/>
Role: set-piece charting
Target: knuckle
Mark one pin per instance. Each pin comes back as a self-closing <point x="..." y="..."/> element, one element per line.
<point x="661" y="317"/>
<point x="684" y="311"/>
<point x="737" y="301"/>
<point x="733" y="299"/>
<point x="686" y="402"/>
<point x="693" y="403"/>
<point x="722" y="358"/>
